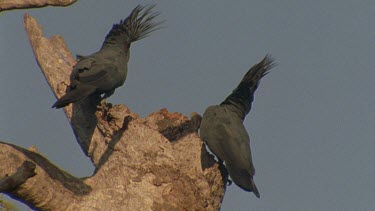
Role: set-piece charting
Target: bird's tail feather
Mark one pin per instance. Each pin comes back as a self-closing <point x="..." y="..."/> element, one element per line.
<point x="138" y="25"/>
<point x="254" y="189"/>
<point x="74" y="95"/>
<point x="243" y="96"/>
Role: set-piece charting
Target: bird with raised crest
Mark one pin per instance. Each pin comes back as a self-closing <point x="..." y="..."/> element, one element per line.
<point x="223" y="131"/>
<point x="104" y="71"/>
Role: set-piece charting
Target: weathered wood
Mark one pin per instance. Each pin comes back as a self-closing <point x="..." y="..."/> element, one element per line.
<point x="25" y="4"/>
<point x="153" y="163"/>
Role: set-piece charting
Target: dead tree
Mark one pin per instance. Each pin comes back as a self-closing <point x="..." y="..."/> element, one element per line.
<point x="153" y="163"/>
<point x="23" y="4"/>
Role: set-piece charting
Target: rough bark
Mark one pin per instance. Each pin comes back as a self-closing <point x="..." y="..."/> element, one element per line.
<point x="153" y="163"/>
<point x="24" y="172"/>
<point x="24" y="4"/>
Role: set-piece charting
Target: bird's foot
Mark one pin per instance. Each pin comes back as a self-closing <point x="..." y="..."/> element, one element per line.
<point x="102" y="105"/>
<point x="223" y="168"/>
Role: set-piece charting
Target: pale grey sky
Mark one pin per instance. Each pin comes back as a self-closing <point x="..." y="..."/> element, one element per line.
<point x="313" y="119"/>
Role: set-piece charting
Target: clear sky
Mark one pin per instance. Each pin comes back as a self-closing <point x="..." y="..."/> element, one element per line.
<point x="312" y="125"/>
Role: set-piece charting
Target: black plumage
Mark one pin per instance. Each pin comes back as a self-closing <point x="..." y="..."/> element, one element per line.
<point x="104" y="71"/>
<point x="223" y="131"/>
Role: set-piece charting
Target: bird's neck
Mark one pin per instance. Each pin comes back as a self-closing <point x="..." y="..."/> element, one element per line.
<point x="239" y="101"/>
<point x="117" y="41"/>
<point x="122" y="48"/>
<point x="236" y="109"/>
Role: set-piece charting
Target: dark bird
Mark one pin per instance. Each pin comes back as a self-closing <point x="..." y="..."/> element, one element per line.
<point x="223" y="131"/>
<point x="102" y="72"/>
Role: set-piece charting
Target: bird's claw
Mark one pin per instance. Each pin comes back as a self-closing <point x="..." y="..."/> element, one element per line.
<point x="101" y="105"/>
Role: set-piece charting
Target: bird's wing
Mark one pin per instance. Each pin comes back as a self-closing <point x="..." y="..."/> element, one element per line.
<point x="226" y="136"/>
<point x="245" y="151"/>
<point x="233" y="138"/>
<point x="93" y="75"/>
<point x="91" y="71"/>
<point x="238" y="152"/>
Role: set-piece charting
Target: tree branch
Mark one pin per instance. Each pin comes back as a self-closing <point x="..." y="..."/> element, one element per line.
<point x="158" y="162"/>
<point x="56" y="63"/>
<point x="24" y="172"/>
<point x="25" y="4"/>
<point x="37" y="177"/>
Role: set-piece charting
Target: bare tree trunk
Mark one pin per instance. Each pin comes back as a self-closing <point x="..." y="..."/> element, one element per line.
<point x="23" y="4"/>
<point x="153" y="163"/>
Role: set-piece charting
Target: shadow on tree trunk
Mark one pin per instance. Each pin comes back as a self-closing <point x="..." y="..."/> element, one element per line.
<point x="153" y="163"/>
